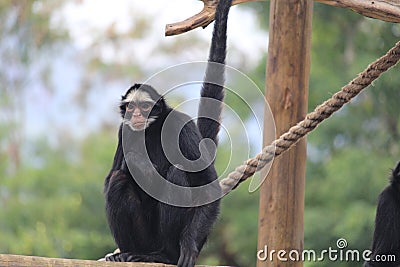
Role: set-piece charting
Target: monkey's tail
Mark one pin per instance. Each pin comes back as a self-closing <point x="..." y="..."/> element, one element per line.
<point x="212" y="92"/>
<point x="395" y="179"/>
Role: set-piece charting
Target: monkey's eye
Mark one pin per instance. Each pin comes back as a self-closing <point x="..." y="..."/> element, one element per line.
<point x="130" y="107"/>
<point x="146" y="106"/>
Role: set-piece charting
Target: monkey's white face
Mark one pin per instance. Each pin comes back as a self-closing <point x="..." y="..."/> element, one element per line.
<point x="139" y="104"/>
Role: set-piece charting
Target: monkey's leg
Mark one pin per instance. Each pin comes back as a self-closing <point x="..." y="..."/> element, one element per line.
<point x="173" y="219"/>
<point x="199" y="226"/>
<point x="128" y="217"/>
<point x="196" y="232"/>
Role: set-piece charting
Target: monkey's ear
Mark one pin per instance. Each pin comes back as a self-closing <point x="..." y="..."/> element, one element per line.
<point x="122" y="108"/>
<point x="396" y="174"/>
<point x="161" y="103"/>
<point x="161" y="99"/>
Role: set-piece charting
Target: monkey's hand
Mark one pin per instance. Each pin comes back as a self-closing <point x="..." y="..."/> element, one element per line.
<point x="188" y="256"/>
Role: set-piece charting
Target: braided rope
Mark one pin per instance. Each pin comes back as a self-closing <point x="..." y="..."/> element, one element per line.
<point x="312" y="120"/>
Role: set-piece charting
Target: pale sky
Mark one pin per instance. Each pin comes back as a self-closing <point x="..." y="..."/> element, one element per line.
<point x="82" y="19"/>
<point x="87" y="20"/>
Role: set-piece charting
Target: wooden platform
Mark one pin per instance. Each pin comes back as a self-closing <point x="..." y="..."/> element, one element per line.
<point x="8" y="260"/>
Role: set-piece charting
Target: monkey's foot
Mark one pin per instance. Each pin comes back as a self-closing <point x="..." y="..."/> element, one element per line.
<point x="130" y="257"/>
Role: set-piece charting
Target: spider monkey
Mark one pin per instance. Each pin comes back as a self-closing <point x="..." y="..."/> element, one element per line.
<point x="144" y="228"/>
<point x="386" y="240"/>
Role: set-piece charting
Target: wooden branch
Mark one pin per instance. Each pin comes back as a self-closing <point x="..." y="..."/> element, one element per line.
<point x="386" y="10"/>
<point x="7" y="260"/>
<point x="202" y="19"/>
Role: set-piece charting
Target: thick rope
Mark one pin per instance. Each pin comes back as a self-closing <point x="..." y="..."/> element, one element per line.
<point x="312" y="120"/>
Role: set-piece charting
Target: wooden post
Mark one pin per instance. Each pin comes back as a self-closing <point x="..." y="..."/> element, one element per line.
<point x="282" y="194"/>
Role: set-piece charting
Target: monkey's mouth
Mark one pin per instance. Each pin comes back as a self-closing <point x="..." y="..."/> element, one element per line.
<point x="138" y="122"/>
<point x="139" y="125"/>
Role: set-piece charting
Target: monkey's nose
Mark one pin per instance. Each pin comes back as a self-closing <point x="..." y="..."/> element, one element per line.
<point x="137" y="113"/>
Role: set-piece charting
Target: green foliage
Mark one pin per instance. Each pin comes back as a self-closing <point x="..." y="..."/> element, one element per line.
<point x="342" y="198"/>
<point x="57" y="209"/>
<point x="350" y="154"/>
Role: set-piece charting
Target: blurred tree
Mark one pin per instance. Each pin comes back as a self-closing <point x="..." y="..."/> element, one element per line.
<point x="25" y="34"/>
<point x="56" y="209"/>
<point x="49" y="204"/>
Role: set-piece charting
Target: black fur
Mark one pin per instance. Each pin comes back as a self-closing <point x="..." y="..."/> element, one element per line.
<point x="144" y="228"/>
<point x="209" y="111"/>
<point x="386" y="240"/>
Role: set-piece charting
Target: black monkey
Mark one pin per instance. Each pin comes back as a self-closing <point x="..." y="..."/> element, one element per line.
<point x="144" y="228"/>
<point x="386" y="240"/>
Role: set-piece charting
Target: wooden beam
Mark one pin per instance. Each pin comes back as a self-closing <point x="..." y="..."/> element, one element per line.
<point x="7" y="260"/>
<point x="386" y="10"/>
<point x="281" y="215"/>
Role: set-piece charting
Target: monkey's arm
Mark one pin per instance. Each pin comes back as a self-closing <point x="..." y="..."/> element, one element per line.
<point x="118" y="160"/>
<point x="196" y="231"/>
